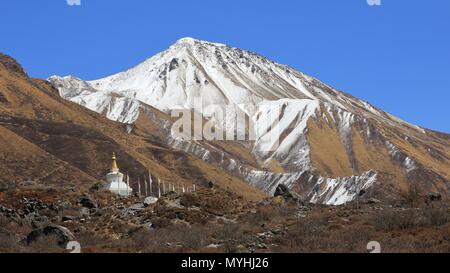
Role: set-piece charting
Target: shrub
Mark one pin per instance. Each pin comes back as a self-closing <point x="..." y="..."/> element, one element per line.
<point x="45" y="244"/>
<point x="436" y="216"/>
<point x="262" y="215"/>
<point x="388" y="220"/>
<point x="7" y="243"/>
<point x="195" y="237"/>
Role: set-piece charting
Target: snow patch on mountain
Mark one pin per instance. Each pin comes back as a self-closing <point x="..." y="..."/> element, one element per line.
<point x="408" y="163"/>
<point x="339" y="191"/>
<point x="275" y="118"/>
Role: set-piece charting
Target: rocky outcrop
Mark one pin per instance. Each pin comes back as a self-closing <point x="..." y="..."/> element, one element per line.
<point x="150" y="201"/>
<point x="62" y="234"/>
<point x="11" y="64"/>
<point x="87" y="202"/>
<point x="283" y="191"/>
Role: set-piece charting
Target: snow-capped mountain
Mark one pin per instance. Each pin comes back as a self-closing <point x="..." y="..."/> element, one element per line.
<point x="331" y="145"/>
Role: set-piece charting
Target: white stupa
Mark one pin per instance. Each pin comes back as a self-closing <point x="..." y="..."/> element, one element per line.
<point x="115" y="180"/>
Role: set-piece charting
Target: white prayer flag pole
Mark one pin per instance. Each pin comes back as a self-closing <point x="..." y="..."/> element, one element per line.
<point x="128" y="185"/>
<point x="139" y="186"/>
<point x="151" y="183"/>
<point x="159" y="188"/>
<point x="145" y="185"/>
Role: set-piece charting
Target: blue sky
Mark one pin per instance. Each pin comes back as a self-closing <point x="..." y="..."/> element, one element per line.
<point x="396" y="56"/>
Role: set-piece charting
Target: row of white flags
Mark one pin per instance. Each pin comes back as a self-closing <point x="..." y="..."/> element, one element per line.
<point x="166" y="187"/>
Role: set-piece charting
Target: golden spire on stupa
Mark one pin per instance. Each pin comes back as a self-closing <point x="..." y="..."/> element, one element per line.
<point x="114" y="167"/>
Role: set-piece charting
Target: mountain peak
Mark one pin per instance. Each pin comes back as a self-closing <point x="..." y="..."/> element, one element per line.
<point x="187" y="40"/>
<point x="192" y="41"/>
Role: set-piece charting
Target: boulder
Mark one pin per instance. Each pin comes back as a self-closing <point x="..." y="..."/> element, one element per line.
<point x="138" y="206"/>
<point x="62" y="234"/>
<point x="36" y="220"/>
<point x="63" y="205"/>
<point x="213" y="246"/>
<point x="84" y="212"/>
<point x="87" y="202"/>
<point x="33" y="205"/>
<point x="283" y="190"/>
<point x="288" y="195"/>
<point x="150" y="201"/>
<point x="434" y="197"/>
<point x="98" y="186"/>
<point x="67" y="218"/>
<point x="373" y="201"/>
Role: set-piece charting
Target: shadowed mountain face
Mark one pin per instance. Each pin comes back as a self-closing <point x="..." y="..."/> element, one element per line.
<point x="45" y="139"/>
<point x="332" y="147"/>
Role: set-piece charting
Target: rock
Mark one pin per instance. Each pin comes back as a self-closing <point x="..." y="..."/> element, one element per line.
<point x="63" y="205"/>
<point x="67" y="218"/>
<point x="261" y="246"/>
<point x="264" y="236"/>
<point x="87" y="202"/>
<point x="33" y="205"/>
<point x="300" y="214"/>
<point x="213" y="246"/>
<point x="132" y="210"/>
<point x="63" y="234"/>
<point x="9" y="213"/>
<point x="138" y="206"/>
<point x="84" y="212"/>
<point x="276" y="232"/>
<point x="283" y="191"/>
<point x="434" y="197"/>
<point x="97" y="187"/>
<point x="150" y="201"/>
<point x="36" y="220"/>
<point x="373" y="201"/>
<point x="288" y="195"/>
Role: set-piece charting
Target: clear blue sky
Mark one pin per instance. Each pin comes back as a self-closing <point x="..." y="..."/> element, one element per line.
<point x="396" y="56"/>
